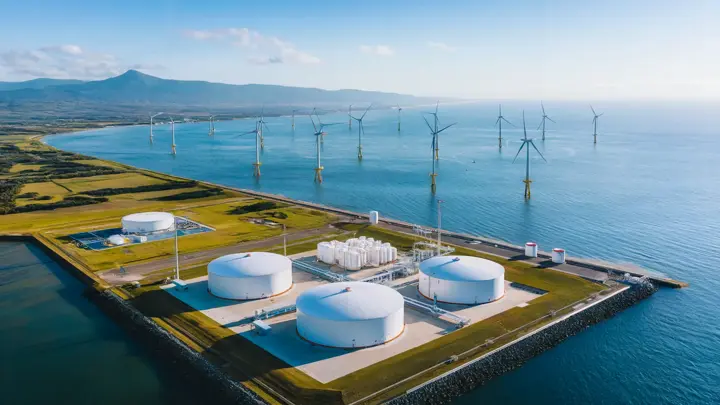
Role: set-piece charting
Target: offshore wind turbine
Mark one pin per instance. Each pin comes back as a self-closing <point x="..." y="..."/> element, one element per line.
<point x="173" y="149"/>
<point x="260" y="128"/>
<point x="151" y="124"/>
<point x="399" y="110"/>
<point x="526" y="143"/>
<point x="434" y="131"/>
<point x="595" y="120"/>
<point x="436" y="139"/>
<point x="544" y="118"/>
<point x="211" y="132"/>
<point x="319" y="133"/>
<point x="499" y="122"/>
<point x="361" y="130"/>
<point x="256" y="131"/>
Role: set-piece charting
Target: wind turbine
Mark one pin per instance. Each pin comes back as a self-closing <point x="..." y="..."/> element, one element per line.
<point x="257" y="132"/>
<point x="211" y="132"/>
<point x="544" y="117"/>
<point x="151" y="124"/>
<point x="399" y="110"/>
<point x="436" y="139"/>
<point x="434" y="131"/>
<point x="350" y="117"/>
<point x="595" y="119"/>
<point x="499" y="122"/>
<point x="173" y="150"/>
<point x="319" y="133"/>
<point x="361" y="130"/>
<point x="526" y="143"/>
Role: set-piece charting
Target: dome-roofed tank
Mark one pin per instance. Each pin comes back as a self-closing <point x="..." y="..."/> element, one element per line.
<point x="248" y="276"/>
<point x="461" y="279"/>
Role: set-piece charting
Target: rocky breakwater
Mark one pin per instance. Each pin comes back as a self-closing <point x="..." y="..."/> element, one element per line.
<point x="189" y="365"/>
<point x="464" y="379"/>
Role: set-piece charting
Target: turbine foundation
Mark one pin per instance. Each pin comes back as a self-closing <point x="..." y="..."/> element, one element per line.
<point x="318" y="174"/>
<point x="433" y="186"/>
<point x="527" y="188"/>
<point x="359" y="152"/>
<point x="256" y="169"/>
<point x="174" y="151"/>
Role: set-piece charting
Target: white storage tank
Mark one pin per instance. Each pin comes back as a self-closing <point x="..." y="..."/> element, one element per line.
<point x="350" y="314"/>
<point x="148" y="222"/>
<point x="531" y="249"/>
<point x="116" y="240"/>
<point x="374" y="217"/>
<point x="462" y="280"/>
<point x="558" y="255"/>
<point x="249" y="276"/>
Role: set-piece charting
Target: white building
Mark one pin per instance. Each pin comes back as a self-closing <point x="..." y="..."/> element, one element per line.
<point x="148" y="222"/>
<point x="350" y="314"/>
<point x="461" y="280"/>
<point x="249" y="276"/>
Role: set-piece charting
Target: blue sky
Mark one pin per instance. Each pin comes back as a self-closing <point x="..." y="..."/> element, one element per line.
<point x="514" y="49"/>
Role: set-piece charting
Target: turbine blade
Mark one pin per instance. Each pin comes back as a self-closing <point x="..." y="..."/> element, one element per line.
<point x="593" y="110"/>
<point x="518" y="152"/>
<point x="497" y="122"/>
<point x="538" y="150"/>
<point x="446" y="127"/>
<point x="541" y="122"/>
<point x="503" y="118"/>
<point x="601" y="115"/>
<point x="313" y="121"/>
<point x="543" y="107"/>
<point x="366" y="111"/>
<point x="428" y="125"/>
<point x="436" y="107"/>
<point x="551" y="120"/>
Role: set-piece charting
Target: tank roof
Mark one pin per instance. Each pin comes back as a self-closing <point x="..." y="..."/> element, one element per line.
<point x="350" y="301"/>
<point x="251" y="264"/>
<point x="462" y="268"/>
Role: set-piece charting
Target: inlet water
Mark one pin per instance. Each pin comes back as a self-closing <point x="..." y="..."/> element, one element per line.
<point x="56" y="347"/>
<point x="647" y="193"/>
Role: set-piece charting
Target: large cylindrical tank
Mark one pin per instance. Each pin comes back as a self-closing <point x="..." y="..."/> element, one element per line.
<point x="248" y="276"/>
<point x="148" y="222"/>
<point x="462" y="280"/>
<point x="350" y="314"/>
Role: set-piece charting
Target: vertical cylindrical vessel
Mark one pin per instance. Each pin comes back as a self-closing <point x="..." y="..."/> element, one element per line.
<point x="558" y="255"/>
<point x="461" y="280"/>
<point x="247" y="276"/>
<point x="374" y="217"/>
<point x="531" y="249"/>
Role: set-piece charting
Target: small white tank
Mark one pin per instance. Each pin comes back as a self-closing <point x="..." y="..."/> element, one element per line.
<point x="374" y="217"/>
<point x="558" y="255"/>
<point x="531" y="249"/>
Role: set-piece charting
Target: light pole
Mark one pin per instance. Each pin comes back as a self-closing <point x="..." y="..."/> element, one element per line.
<point x="439" y="224"/>
<point x="284" y="241"/>
<point x="177" y="254"/>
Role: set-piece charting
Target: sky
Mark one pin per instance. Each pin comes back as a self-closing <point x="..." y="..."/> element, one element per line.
<point x="480" y="49"/>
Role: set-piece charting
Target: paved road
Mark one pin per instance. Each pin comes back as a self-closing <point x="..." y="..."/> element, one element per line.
<point x="138" y="271"/>
<point x="493" y="249"/>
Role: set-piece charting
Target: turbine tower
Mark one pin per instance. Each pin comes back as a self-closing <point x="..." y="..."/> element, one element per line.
<point x="151" y="124"/>
<point x="399" y="110"/>
<point x="319" y="133"/>
<point x="434" y="132"/>
<point x="361" y="130"/>
<point x="257" y="163"/>
<point x="544" y="118"/>
<point x="173" y="150"/>
<point x="211" y="132"/>
<point x="499" y="122"/>
<point x="595" y="119"/>
<point x="526" y="143"/>
<point x="293" y="118"/>
<point x="350" y="117"/>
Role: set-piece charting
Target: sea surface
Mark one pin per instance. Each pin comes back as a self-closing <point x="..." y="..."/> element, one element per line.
<point x="648" y="193"/>
<point x="57" y="347"/>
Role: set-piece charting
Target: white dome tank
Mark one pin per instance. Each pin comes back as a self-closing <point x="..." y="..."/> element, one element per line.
<point x="249" y="276"/>
<point x="462" y="280"/>
<point x="148" y="222"/>
<point x="350" y="314"/>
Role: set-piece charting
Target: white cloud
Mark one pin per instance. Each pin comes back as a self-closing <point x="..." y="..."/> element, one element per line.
<point x="379" y="50"/>
<point x="65" y="62"/>
<point x="441" y="46"/>
<point x="264" y="49"/>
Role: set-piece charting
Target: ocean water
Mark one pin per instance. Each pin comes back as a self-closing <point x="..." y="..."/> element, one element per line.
<point x="648" y="193"/>
<point x="56" y="347"/>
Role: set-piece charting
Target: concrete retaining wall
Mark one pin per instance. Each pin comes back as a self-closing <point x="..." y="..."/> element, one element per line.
<point x="466" y="379"/>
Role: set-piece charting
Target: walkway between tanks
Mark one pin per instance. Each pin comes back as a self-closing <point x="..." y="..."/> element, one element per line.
<point x="135" y="272"/>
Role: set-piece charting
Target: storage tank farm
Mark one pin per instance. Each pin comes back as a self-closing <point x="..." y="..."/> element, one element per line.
<point x="356" y="253"/>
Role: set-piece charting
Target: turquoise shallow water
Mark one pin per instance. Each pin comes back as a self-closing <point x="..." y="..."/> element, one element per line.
<point x="647" y="194"/>
<point x="56" y="347"/>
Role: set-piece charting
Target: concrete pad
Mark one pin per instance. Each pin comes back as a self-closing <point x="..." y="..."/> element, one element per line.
<point x="327" y="364"/>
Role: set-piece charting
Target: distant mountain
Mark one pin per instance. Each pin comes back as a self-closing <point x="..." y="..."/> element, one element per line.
<point x="134" y="88"/>
<point x="37" y="84"/>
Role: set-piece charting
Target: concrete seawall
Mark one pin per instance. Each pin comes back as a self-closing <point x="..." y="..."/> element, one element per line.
<point x="468" y="377"/>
